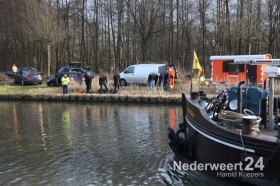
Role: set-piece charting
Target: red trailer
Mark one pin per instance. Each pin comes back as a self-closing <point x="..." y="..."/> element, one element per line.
<point x="224" y="70"/>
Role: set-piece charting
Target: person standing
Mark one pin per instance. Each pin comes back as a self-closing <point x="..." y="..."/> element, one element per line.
<point x="171" y="72"/>
<point x="166" y="81"/>
<point x="14" y="69"/>
<point x="160" y="80"/>
<point x="88" y="80"/>
<point x="152" y="79"/>
<point x="65" y="81"/>
<point x="103" y="82"/>
<point x="116" y="78"/>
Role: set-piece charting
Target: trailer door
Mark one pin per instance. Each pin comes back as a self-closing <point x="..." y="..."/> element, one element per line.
<point x="252" y="73"/>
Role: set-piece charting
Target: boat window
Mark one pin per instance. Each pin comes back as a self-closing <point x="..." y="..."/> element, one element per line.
<point x="229" y="66"/>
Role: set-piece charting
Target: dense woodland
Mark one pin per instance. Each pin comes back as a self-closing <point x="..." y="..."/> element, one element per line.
<point x="110" y="34"/>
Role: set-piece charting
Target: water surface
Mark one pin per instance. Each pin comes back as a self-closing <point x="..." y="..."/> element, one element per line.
<point x="90" y="144"/>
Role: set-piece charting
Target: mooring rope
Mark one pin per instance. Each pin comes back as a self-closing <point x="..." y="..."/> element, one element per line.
<point x="234" y="119"/>
<point x="242" y="142"/>
<point x="231" y="118"/>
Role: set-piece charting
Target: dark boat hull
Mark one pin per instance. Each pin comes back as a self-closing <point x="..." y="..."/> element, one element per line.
<point x="216" y="153"/>
<point x="209" y="143"/>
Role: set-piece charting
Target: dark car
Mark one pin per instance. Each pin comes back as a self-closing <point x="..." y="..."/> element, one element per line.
<point x="53" y="81"/>
<point x="71" y="71"/>
<point x="28" y="75"/>
<point x="56" y="80"/>
<point x="67" y="69"/>
<point x="9" y="74"/>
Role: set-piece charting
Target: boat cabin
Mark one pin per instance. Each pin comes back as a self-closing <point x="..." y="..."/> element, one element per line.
<point x="224" y="70"/>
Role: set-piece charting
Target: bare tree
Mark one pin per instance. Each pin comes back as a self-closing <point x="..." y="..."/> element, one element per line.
<point x="114" y="34"/>
<point x="41" y="26"/>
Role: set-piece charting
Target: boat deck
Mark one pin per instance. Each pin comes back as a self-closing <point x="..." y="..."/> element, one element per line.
<point x="264" y="134"/>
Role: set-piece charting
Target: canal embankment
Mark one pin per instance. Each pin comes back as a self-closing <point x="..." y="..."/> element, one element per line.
<point x="99" y="98"/>
<point x="130" y="94"/>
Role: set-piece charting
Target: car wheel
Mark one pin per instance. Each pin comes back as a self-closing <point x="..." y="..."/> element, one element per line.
<point x="40" y="83"/>
<point x="51" y="84"/>
<point x="123" y="82"/>
<point x="22" y="82"/>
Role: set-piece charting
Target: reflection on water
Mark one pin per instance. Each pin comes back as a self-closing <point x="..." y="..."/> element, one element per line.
<point x="16" y="125"/>
<point x="41" y="123"/>
<point x="65" y="120"/>
<point x="89" y="144"/>
<point x="172" y="118"/>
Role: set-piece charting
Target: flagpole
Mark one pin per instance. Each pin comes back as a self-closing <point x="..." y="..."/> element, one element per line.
<point x="191" y="81"/>
<point x="191" y="88"/>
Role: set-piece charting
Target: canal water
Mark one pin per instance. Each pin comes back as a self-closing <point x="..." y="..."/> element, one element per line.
<point x="90" y="144"/>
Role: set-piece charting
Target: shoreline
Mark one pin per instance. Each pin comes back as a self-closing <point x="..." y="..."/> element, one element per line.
<point x="97" y="98"/>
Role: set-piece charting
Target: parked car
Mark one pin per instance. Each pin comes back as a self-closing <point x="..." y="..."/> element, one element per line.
<point x="75" y="64"/>
<point x="139" y="73"/>
<point x="28" y="75"/>
<point x="73" y="71"/>
<point x="68" y="69"/>
<point x="56" y="80"/>
<point x="53" y="81"/>
<point x="9" y="74"/>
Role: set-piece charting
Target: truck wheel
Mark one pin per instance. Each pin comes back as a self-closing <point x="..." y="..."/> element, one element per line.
<point x="123" y="82"/>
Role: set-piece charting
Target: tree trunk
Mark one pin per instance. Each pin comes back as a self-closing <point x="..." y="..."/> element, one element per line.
<point x="49" y="59"/>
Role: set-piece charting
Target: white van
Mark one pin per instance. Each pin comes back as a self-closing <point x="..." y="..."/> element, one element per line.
<point x="138" y="74"/>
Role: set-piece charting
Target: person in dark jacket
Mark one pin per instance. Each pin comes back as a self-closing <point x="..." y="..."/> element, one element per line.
<point x="166" y="81"/>
<point x="116" y="78"/>
<point x="88" y="80"/>
<point x="103" y="82"/>
<point x="160" y="80"/>
<point x="152" y="79"/>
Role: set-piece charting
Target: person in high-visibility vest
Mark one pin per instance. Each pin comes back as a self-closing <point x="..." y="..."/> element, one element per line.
<point x="64" y="82"/>
<point x="171" y="72"/>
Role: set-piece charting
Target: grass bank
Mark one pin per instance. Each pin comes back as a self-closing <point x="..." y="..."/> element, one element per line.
<point x="11" y="88"/>
<point x="128" y="94"/>
<point x="8" y="87"/>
